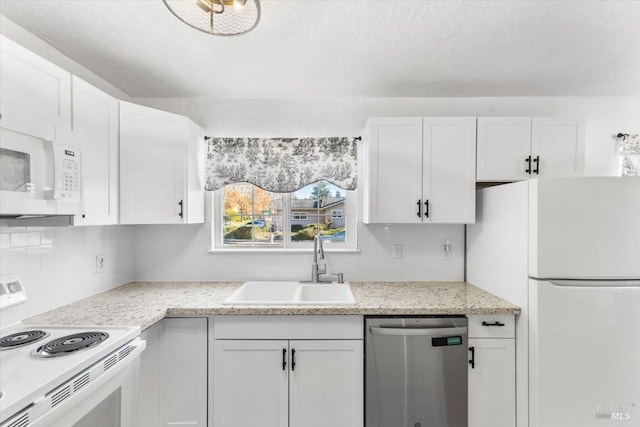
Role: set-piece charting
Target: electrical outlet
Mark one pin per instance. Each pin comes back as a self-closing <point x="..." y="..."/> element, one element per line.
<point x="446" y="250"/>
<point x="396" y="252"/>
<point x="100" y="264"/>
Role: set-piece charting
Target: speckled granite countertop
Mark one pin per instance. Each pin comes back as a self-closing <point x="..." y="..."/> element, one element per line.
<point x="145" y="303"/>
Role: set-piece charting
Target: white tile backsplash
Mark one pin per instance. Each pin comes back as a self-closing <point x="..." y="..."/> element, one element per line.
<point x="57" y="265"/>
<point x="167" y="252"/>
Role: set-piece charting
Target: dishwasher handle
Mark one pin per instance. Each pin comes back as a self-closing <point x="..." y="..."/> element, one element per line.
<point x="430" y="332"/>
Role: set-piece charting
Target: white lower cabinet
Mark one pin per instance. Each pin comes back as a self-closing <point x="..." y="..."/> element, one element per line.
<point x="325" y="384"/>
<point x="251" y="383"/>
<point x="173" y="374"/>
<point x="297" y="382"/>
<point x="301" y="383"/>
<point x="492" y="384"/>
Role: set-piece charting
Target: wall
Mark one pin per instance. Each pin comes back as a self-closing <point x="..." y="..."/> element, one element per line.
<point x="174" y="252"/>
<point x="605" y="116"/>
<point x="57" y="265"/>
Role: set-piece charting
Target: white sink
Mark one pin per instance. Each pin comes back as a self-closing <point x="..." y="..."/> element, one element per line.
<point x="264" y="293"/>
<point x="288" y="293"/>
<point x="323" y="293"/>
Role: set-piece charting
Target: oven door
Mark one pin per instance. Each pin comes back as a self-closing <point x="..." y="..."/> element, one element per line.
<point x="109" y="401"/>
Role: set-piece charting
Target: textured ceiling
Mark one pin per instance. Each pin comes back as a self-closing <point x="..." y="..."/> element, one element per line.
<point x="319" y="48"/>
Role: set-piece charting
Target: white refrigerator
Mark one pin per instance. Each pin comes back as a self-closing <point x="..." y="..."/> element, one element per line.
<point x="566" y="250"/>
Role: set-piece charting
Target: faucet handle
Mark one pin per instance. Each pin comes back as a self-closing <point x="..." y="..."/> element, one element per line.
<point x="340" y="277"/>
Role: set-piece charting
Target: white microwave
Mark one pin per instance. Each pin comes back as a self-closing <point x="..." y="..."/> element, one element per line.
<point x="38" y="177"/>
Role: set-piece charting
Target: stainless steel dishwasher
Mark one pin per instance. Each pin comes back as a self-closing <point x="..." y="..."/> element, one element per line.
<point x="416" y="372"/>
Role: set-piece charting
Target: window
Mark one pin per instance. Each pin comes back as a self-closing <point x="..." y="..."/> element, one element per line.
<point x="255" y="218"/>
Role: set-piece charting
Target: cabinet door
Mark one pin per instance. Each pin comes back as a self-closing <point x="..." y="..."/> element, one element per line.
<point x="504" y="144"/>
<point x="152" y="166"/>
<point x="151" y="364"/>
<point x="558" y="144"/>
<point x="95" y="132"/>
<point x="449" y="169"/>
<point x="393" y="170"/>
<point x="194" y="203"/>
<point x="185" y="372"/>
<point x="326" y="384"/>
<point x="36" y="95"/>
<point x="492" y="384"/>
<point x="250" y="383"/>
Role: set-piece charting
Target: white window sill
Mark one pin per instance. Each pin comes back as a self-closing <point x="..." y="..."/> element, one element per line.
<point x="270" y="251"/>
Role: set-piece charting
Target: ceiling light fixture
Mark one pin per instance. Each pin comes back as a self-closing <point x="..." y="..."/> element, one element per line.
<point x="217" y="17"/>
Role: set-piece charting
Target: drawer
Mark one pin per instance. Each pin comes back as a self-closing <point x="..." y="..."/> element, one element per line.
<point x="288" y="327"/>
<point x="492" y="326"/>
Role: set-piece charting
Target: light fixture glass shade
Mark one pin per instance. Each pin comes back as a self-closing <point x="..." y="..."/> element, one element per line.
<point x="217" y="17"/>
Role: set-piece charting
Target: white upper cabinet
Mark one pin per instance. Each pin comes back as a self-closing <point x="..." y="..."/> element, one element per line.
<point x="557" y="147"/>
<point x="393" y="170"/>
<point x="518" y="148"/>
<point x="95" y="133"/>
<point x="36" y="95"/>
<point x="419" y="170"/>
<point x="504" y="145"/>
<point x="449" y="170"/>
<point x="161" y="155"/>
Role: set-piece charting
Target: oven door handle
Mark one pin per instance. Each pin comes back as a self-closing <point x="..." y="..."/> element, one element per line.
<point x="430" y="332"/>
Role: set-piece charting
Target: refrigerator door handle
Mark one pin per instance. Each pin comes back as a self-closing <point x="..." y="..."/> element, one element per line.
<point x="592" y="283"/>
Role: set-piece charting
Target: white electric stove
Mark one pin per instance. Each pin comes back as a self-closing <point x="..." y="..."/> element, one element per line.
<point x="56" y="376"/>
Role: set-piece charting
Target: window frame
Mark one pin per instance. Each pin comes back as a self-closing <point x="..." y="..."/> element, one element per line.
<point x="288" y="246"/>
<point x="300" y="215"/>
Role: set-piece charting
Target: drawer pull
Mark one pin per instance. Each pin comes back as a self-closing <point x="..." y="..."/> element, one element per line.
<point x="492" y="324"/>
<point x="472" y="362"/>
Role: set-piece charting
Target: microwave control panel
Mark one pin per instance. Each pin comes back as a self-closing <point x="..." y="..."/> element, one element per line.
<point x="68" y="175"/>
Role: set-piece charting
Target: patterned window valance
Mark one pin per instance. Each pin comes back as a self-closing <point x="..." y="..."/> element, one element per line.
<point x="281" y="165"/>
<point x="631" y="155"/>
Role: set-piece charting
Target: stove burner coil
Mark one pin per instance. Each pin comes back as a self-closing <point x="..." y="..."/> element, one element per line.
<point x="70" y="344"/>
<point x="20" y="339"/>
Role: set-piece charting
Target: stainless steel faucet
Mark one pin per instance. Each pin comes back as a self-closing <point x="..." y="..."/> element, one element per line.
<point x="318" y="254"/>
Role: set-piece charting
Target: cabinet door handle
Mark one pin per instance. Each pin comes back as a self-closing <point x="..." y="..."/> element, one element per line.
<point x="284" y="359"/>
<point x="426" y="208"/>
<point x="472" y="362"/>
<point x="528" y="162"/>
<point x="536" y="170"/>
<point x="293" y="359"/>
<point x="492" y="324"/>
<point x="181" y="204"/>
<point x="419" y="208"/>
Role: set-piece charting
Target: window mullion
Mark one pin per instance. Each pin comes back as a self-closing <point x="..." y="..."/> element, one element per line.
<point x="252" y="218"/>
<point x="286" y="218"/>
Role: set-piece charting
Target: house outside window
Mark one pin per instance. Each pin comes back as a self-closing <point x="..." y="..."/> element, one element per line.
<point x="255" y="218"/>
